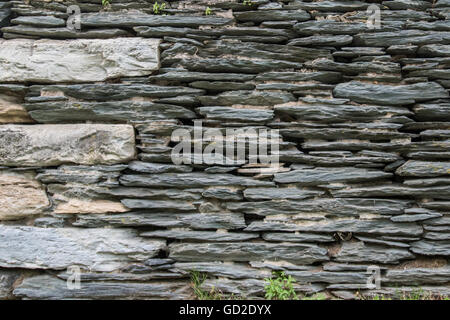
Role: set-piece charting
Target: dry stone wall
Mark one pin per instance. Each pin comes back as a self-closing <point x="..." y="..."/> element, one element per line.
<point x="86" y="122"/>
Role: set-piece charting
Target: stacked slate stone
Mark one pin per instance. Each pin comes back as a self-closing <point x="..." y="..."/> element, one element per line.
<point x="87" y="117"/>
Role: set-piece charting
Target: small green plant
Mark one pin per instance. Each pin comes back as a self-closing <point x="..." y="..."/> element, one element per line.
<point x="105" y="3"/>
<point x="208" y="11"/>
<point x="159" y="8"/>
<point x="280" y="287"/>
<point x="247" y="2"/>
<point x="197" y="280"/>
<point x="318" y="296"/>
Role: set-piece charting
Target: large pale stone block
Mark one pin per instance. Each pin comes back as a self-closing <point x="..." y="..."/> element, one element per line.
<point x="52" y="145"/>
<point x="21" y="195"/>
<point x="58" y="248"/>
<point x="82" y="60"/>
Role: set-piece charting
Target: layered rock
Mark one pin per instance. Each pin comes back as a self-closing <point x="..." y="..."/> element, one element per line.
<point x="50" y="145"/>
<point x="13" y="187"/>
<point x="77" y="60"/>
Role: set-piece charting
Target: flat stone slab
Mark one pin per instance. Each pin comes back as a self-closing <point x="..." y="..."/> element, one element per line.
<point x="358" y="252"/>
<point x="51" y="288"/>
<point x="389" y="95"/>
<point x="13" y="187"/>
<point x="52" y="145"/>
<point x="248" y="251"/>
<point x="85" y="60"/>
<point x="424" y="169"/>
<point x="58" y="248"/>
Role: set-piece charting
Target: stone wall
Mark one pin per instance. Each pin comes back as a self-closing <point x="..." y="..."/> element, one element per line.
<point x="86" y="122"/>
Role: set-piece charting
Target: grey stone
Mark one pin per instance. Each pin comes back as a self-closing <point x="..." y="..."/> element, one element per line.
<point x="90" y="55"/>
<point x="272" y="15"/>
<point x="28" y="32"/>
<point x="434" y="50"/>
<point x="320" y="208"/>
<point x="331" y="6"/>
<point x="218" y="269"/>
<point x="223" y="193"/>
<point x="328" y="277"/>
<point x="359" y="252"/>
<point x="40" y="21"/>
<point x="189" y="180"/>
<point x="418" y="276"/>
<point x="345" y="133"/>
<point x="393" y="190"/>
<point x="431" y="248"/>
<point x="322" y="40"/>
<point x="407" y="4"/>
<point x="341" y="113"/>
<point x="235" y="251"/>
<point x="383" y="242"/>
<point x="330" y="27"/>
<point x="415" y="217"/>
<point x="437" y="236"/>
<point x="389" y="95"/>
<point x="53" y="248"/>
<point x="7" y="279"/>
<point x="111" y="111"/>
<point x="52" y="288"/>
<point x="158" y="204"/>
<point x="402" y="49"/>
<point x="51" y="145"/>
<point x="319" y="175"/>
<point x="432" y="112"/>
<point x="124" y="19"/>
<point x="237" y="114"/>
<point x="189" y="76"/>
<point x="123" y="276"/>
<point x="210" y="236"/>
<point x="381" y="227"/>
<point x="146" y="167"/>
<point x="354" y="67"/>
<point x="221" y="85"/>
<point x="297" y="237"/>
<point x="268" y="53"/>
<point x="411" y="37"/>
<point x="221" y="220"/>
<point x="414" y="168"/>
<point x="117" y="91"/>
<point x="5" y="16"/>
<point x="437" y="205"/>
<point x="321" y="76"/>
<point x="81" y="174"/>
<point x="280" y="193"/>
<point x="233" y="65"/>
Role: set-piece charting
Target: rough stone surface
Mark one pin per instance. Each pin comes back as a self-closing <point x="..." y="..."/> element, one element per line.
<point x="390" y="95"/>
<point x="88" y="129"/>
<point x="96" y="60"/>
<point x="13" y="187"/>
<point x="59" y="248"/>
<point x="234" y="251"/>
<point x="52" y="288"/>
<point x="50" y="145"/>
